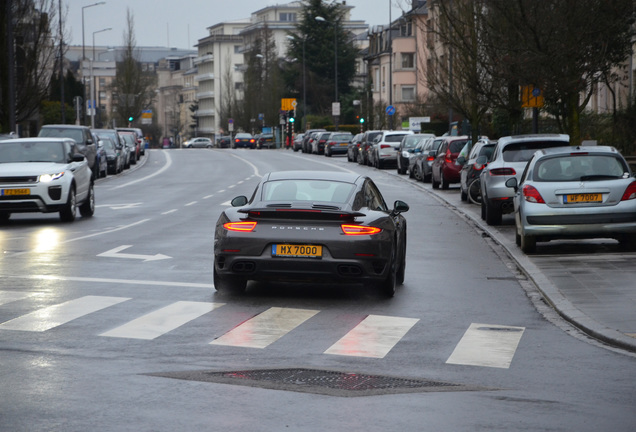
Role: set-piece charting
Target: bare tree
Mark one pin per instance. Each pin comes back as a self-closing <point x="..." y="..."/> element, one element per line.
<point x="35" y="39"/>
<point x="133" y="85"/>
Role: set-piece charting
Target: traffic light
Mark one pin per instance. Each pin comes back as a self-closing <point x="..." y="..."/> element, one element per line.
<point x="361" y="120"/>
<point x="130" y="118"/>
<point x="292" y="119"/>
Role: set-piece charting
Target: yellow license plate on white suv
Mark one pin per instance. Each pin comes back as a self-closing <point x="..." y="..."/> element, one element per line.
<point x="15" y="192"/>
<point x="296" y="251"/>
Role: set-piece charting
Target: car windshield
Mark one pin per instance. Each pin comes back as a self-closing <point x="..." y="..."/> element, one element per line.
<point x="523" y="151"/>
<point x="487" y="151"/>
<point x="51" y="132"/>
<point x="457" y="146"/>
<point x="11" y="152"/>
<point x="307" y="190"/>
<point x="578" y="167"/>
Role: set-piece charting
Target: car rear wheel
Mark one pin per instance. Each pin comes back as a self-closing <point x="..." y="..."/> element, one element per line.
<point x="443" y="180"/>
<point x="474" y="191"/>
<point x="528" y="244"/>
<point x="493" y="214"/>
<point x="387" y="286"/>
<point x="434" y="183"/>
<point x="67" y="214"/>
<point x="231" y="284"/>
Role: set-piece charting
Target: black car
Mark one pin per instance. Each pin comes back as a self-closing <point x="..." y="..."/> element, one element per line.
<point x="311" y="226"/>
<point x="265" y="141"/>
<point x="365" y="143"/>
<point x="244" y="140"/>
<point x="337" y="143"/>
<point x="81" y="135"/>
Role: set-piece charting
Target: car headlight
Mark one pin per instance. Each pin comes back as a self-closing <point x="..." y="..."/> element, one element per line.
<point x="407" y="155"/>
<point x="48" y="178"/>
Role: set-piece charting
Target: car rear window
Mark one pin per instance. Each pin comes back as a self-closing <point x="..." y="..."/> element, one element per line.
<point x="457" y="146"/>
<point x="394" y="138"/>
<point x="523" y="151"/>
<point x="307" y="190"/>
<point x="580" y="167"/>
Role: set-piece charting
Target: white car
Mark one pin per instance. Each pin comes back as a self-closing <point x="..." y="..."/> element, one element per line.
<point x="44" y="175"/>
<point x="385" y="147"/>
<point x="198" y="143"/>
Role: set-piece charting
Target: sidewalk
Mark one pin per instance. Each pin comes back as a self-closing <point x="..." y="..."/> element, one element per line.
<point x="592" y="286"/>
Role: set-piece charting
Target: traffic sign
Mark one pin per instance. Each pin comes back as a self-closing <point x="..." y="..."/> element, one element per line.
<point x="390" y="110"/>
<point x="286" y="104"/>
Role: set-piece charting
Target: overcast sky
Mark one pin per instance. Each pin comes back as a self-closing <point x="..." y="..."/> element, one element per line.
<point x="180" y="23"/>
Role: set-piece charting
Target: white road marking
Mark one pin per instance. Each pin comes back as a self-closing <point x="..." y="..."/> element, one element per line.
<point x="208" y="196"/>
<point x="112" y="281"/>
<point x="190" y="203"/>
<point x="487" y="345"/>
<point x="170" y="211"/>
<point x="162" y="321"/>
<point x="116" y="253"/>
<point x="53" y="316"/>
<point x="374" y="337"/>
<point x="11" y="296"/>
<point x="265" y="328"/>
<point x="156" y="173"/>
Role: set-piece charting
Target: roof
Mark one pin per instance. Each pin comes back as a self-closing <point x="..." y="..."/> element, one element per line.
<point x="313" y="175"/>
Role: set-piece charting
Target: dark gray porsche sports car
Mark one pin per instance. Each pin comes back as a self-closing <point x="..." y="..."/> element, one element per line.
<point x="311" y="226"/>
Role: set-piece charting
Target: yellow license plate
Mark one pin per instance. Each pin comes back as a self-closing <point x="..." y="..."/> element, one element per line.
<point x="583" y="198"/>
<point x="293" y="250"/>
<point x="15" y="192"/>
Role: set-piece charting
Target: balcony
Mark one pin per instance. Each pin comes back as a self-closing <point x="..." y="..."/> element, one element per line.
<point x="205" y="95"/>
<point x="204" y="77"/>
<point x="205" y="112"/>
<point x="203" y="59"/>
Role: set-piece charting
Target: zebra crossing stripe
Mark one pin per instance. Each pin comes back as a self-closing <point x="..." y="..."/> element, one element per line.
<point x="487" y="345"/>
<point x="53" y="316"/>
<point x="11" y="296"/>
<point x="162" y="321"/>
<point x="374" y="337"/>
<point x="265" y="328"/>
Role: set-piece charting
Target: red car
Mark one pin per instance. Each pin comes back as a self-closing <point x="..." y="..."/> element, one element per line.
<point x="445" y="169"/>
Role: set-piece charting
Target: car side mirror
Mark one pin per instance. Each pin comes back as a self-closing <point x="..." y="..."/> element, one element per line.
<point x="399" y="207"/>
<point x="461" y="160"/>
<point x="432" y="153"/>
<point x="239" y="201"/>
<point x="512" y="183"/>
<point x="77" y="157"/>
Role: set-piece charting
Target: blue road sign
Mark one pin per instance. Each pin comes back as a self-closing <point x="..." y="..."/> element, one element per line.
<point x="390" y="110"/>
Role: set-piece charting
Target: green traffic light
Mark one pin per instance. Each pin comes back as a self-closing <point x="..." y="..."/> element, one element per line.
<point x="361" y="120"/>
<point x="130" y="118"/>
<point x="291" y="119"/>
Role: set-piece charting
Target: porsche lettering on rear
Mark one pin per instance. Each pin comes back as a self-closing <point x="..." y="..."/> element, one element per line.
<point x="298" y="228"/>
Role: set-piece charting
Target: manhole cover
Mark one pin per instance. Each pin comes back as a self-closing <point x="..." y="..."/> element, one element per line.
<point x="318" y="381"/>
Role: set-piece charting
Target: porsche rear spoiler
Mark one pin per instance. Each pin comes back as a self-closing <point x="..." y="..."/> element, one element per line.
<point x="287" y="211"/>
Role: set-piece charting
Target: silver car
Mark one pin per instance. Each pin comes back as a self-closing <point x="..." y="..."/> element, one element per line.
<point x="45" y="175"/>
<point x="510" y="157"/>
<point x="575" y="192"/>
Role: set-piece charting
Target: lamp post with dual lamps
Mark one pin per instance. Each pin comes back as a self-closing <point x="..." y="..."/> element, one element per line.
<point x="335" y="41"/>
<point x="83" y="44"/>
<point x="93" y="78"/>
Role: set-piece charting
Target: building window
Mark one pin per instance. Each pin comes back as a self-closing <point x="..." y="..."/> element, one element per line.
<point x="408" y="93"/>
<point x="237" y="49"/>
<point x="408" y="60"/>
<point x="288" y="16"/>
<point x="238" y="86"/>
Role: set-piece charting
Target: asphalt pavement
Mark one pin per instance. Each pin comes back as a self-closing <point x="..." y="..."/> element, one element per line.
<point x="591" y="284"/>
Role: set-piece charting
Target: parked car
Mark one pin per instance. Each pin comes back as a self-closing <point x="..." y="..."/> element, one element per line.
<point x="140" y="138"/>
<point x="574" y="192"/>
<point x="353" y="146"/>
<point x="510" y="157"/>
<point x="309" y="136"/>
<point x="224" y="142"/>
<point x="82" y="136"/>
<point x="385" y="148"/>
<point x="266" y="140"/>
<point x="365" y="144"/>
<point x="198" y="142"/>
<point x="255" y="240"/>
<point x="337" y="143"/>
<point x="130" y="139"/>
<point x="445" y="169"/>
<point x="298" y="142"/>
<point x="318" y="144"/>
<point x="113" y="135"/>
<point x="406" y="150"/>
<point x="421" y="165"/>
<point x="472" y="165"/>
<point x="114" y="158"/>
<point x="45" y="175"/>
<point x="244" y="140"/>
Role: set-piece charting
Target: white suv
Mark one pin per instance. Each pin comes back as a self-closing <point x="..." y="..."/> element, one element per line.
<point x="385" y="147"/>
<point x="508" y="160"/>
<point x="45" y="175"/>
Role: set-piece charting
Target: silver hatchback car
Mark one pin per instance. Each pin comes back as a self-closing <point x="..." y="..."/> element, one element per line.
<point x="575" y="192"/>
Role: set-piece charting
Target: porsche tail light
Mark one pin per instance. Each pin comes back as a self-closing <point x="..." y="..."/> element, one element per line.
<point x="502" y="172"/>
<point x="359" y="230"/>
<point x="630" y="192"/>
<point x="240" y="226"/>
<point x="531" y="194"/>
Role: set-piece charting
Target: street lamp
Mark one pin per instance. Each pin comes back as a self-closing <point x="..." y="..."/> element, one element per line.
<point x="304" y="85"/>
<point x="335" y="41"/>
<point x="93" y="79"/>
<point x="83" y="45"/>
